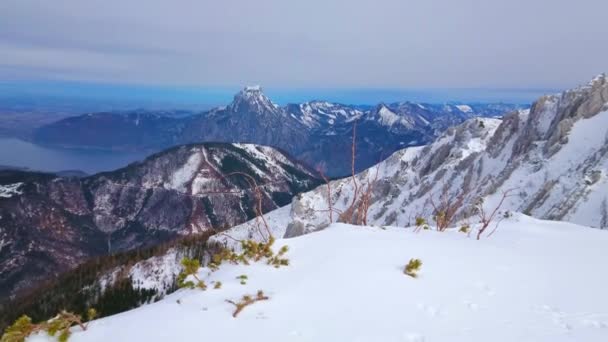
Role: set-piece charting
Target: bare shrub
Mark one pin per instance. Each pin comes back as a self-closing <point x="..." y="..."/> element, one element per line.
<point x="446" y="207"/>
<point x="357" y="212"/>
<point x="604" y="213"/>
<point x="486" y="218"/>
<point x="330" y="207"/>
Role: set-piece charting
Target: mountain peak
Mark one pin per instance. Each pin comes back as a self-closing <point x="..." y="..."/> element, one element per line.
<point x="598" y="80"/>
<point x="252" y="99"/>
<point x="253" y="88"/>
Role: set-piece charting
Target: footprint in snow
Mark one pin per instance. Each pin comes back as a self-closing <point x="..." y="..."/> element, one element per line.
<point x="489" y="291"/>
<point x="567" y="321"/>
<point x="432" y="311"/>
<point x="557" y="317"/>
<point x="592" y="323"/>
<point x="471" y="306"/>
<point x="413" y="337"/>
<point x="261" y="315"/>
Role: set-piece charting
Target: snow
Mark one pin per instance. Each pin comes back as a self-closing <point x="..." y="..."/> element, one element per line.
<point x="465" y="108"/>
<point x="182" y="176"/>
<point x="277" y="222"/>
<point x="267" y="155"/>
<point x="10" y="190"/>
<point x="531" y="281"/>
<point x="479" y="144"/>
<point x="387" y="117"/>
<point x="157" y="272"/>
<point x="410" y="153"/>
<point x="425" y="121"/>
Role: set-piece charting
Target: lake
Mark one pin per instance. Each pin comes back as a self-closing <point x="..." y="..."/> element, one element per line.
<point x="19" y="153"/>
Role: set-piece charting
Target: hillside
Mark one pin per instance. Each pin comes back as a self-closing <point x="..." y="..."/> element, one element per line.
<point x="346" y="283"/>
<point x="50" y="224"/>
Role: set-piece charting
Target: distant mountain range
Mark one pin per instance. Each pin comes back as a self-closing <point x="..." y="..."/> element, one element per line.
<point x="318" y="133"/>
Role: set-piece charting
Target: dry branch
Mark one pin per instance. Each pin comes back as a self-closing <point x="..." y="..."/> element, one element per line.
<point x="246" y="301"/>
<point x="448" y="205"/>
<point x="486" y="219"/>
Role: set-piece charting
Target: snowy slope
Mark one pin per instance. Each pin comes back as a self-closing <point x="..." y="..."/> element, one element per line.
<point x="345" y="283"/>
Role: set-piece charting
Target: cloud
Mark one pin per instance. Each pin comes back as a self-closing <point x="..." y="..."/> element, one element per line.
<point x="314" y="43"/>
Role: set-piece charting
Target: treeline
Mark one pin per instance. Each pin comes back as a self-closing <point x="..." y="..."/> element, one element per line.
<point x="79" y="289"/>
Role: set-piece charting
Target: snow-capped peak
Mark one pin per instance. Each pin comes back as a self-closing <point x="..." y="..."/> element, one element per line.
<point x="599" y="78"/>
<point x="388" y="117"/>
<point x="251" y="88"/>
<point x="252" y="99"/>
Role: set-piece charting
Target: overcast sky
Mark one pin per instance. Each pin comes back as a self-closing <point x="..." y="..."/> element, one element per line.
<point x="311" y="43"/>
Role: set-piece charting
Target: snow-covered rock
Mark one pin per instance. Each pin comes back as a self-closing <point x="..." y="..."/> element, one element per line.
<point x="530" y="281"/>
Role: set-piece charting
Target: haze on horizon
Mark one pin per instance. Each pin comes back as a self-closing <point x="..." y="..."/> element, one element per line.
<point x="312" y="44"/>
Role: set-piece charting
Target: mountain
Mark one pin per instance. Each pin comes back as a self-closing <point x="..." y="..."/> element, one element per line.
<point x="134" y="130"/>
<point x="50" y="224"/>
<point x="318" y="133"/>
<point x="510" y="287"/>
<point x="551" y="161"/>
<point x="250" y="118"/>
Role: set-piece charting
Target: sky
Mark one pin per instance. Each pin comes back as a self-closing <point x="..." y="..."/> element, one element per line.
<point x="312" y="44"/>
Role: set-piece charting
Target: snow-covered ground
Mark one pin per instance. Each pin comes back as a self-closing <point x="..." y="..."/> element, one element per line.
<point x="531" y="281"/>
<point x="10" y="190"/>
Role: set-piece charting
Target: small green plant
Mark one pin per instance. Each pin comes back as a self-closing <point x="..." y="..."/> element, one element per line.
<point x="190" y="268"/>
<point x="57" y="326"/>
<point x="412" y="268"/>
<point x="278" y="260"/>
<point x="243" y="278"/>
<point x="465" y="229"/>
<point x="246" y="301"/>
<point x="252" y="251"/>
<point x="421" y="224"/>
<point x="218" y="285"/>
<point x="20" y="330"/>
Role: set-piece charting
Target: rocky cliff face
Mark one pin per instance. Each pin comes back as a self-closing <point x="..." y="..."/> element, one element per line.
<point x="50" y="224"/>
<point x="317" y="132"/>
<point x="551" y="159"/>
